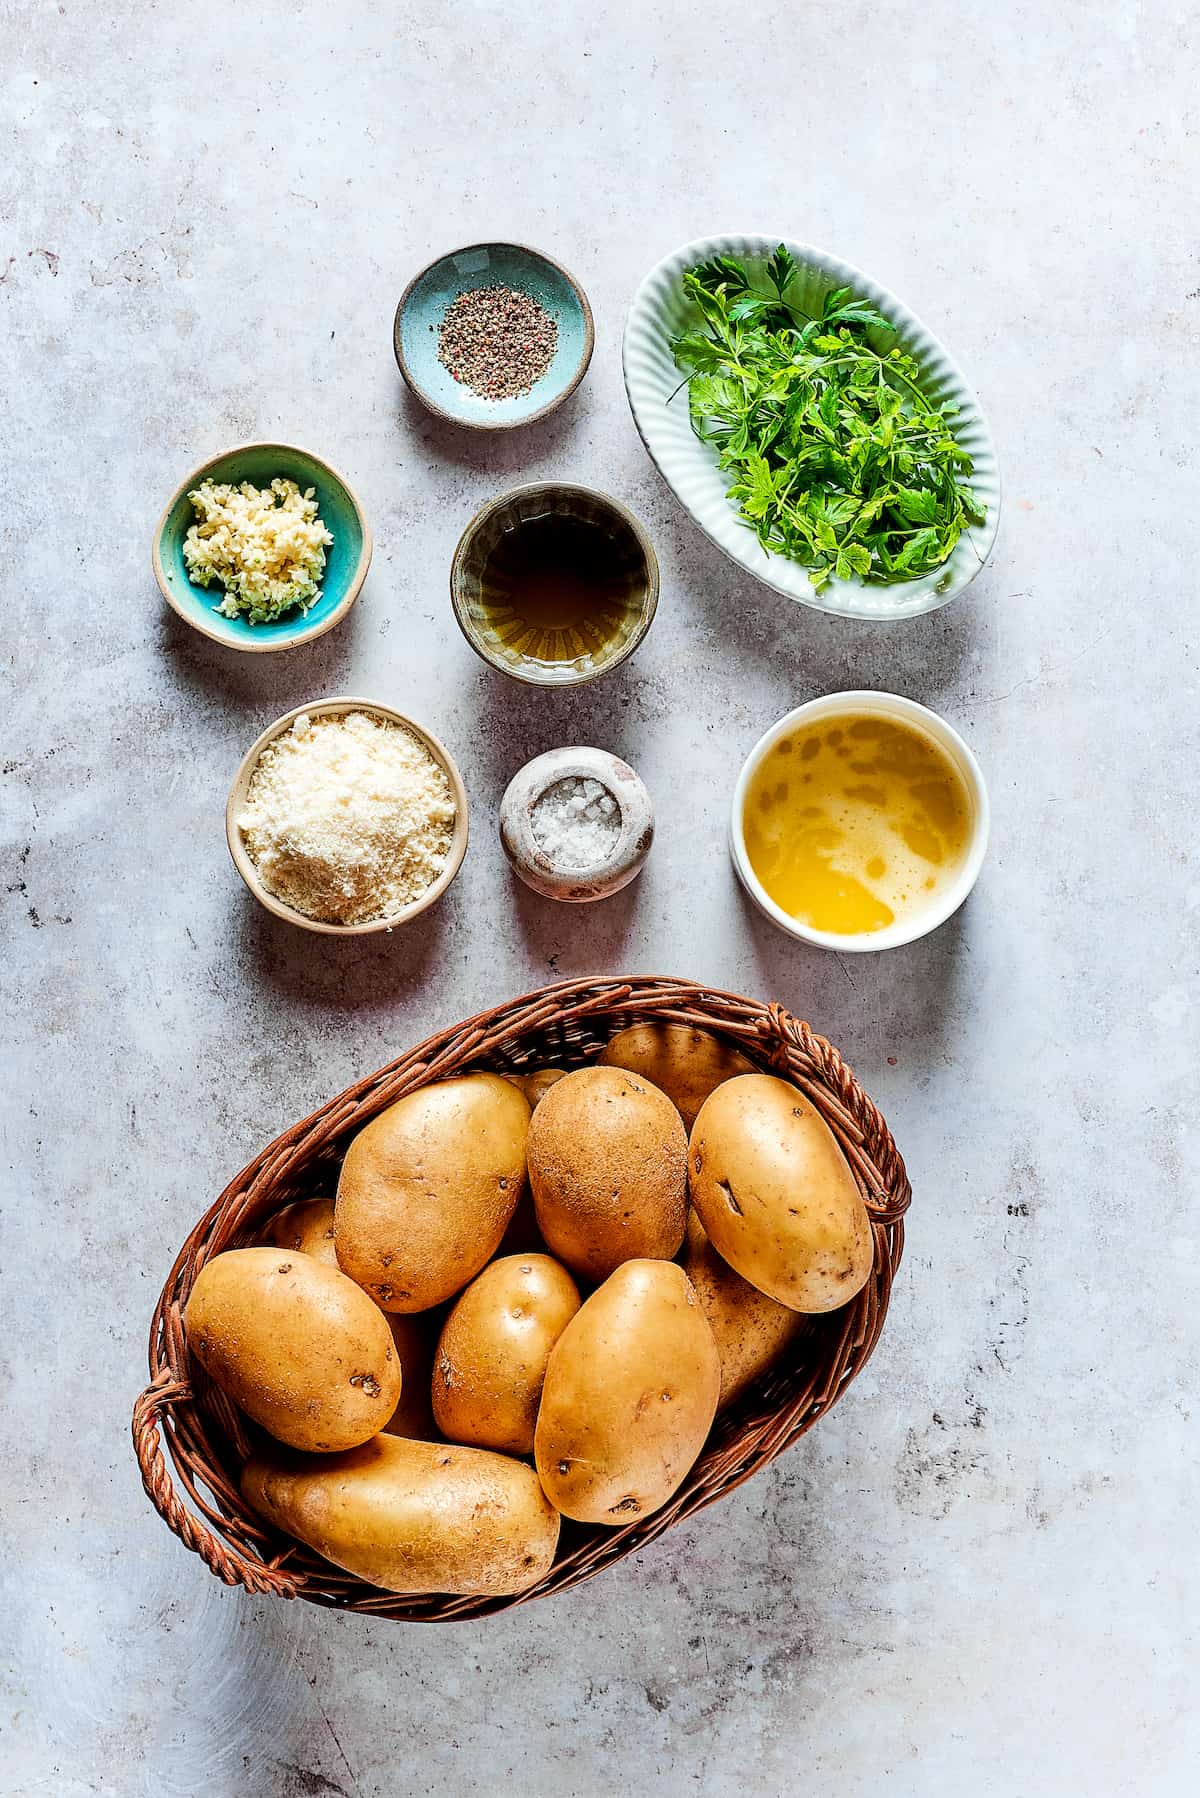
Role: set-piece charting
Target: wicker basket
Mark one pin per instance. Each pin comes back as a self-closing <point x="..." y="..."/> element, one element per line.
<point x="563" y="1025"/>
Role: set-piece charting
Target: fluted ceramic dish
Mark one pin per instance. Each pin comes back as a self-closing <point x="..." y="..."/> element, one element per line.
<point x="660" y="310"/>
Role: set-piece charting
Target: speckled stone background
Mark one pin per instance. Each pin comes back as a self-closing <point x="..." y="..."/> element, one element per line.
<point x="979" y="1574"/>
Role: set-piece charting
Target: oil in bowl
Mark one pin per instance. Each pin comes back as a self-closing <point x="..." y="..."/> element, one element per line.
<point x="556" y="590"/>
<point x="862" y="826"/>
<point x="553" y="584"/>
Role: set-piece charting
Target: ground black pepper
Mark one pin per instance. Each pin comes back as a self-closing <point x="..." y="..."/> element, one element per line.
<point x="496" y="341"/>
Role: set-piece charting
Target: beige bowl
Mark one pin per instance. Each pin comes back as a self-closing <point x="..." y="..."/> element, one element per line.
<point x="335" y="708"/>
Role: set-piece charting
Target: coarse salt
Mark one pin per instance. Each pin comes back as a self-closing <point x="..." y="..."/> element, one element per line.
<point x="576" y="823"/>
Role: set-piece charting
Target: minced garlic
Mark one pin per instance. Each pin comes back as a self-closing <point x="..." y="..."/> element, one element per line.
<point x="347" y="819"/>
<point x="265" y="545"/>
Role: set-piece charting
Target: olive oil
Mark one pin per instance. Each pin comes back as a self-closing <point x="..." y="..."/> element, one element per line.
<point x="855" y="820"/>
<point x="560" y="589"/>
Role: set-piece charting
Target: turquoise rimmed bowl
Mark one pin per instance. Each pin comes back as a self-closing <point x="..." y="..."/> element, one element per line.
<point x="423" y="305"/>
<point x="347" y="559"/>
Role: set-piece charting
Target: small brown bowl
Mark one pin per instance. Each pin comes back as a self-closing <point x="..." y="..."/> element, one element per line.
<point x="335" y="708"/>
<point x="509" y="512"/>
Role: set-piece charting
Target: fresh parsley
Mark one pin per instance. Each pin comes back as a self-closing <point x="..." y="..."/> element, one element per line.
<point x="837" y="458"/>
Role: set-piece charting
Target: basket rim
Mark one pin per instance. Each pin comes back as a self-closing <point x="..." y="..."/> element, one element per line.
<point x="205" y="1436"/>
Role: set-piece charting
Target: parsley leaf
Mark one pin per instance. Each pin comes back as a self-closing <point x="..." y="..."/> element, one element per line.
<point x="780" y="270"/>
<point x="835" y="456"/>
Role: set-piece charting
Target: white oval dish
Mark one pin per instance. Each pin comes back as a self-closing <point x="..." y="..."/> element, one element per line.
<point x="918" y="717"/>
<point x="660" y="309"/>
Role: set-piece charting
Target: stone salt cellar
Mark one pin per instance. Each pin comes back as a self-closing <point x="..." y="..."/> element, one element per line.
<point x="576" y="824"/>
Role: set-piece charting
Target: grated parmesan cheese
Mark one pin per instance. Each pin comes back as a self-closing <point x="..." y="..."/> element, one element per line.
<point x="347" y="819"/>
<point x="266" y="546"/>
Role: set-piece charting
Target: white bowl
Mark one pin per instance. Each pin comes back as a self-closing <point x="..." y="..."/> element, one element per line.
<point x="661" y="309"/>
<point x="917" y="717"/>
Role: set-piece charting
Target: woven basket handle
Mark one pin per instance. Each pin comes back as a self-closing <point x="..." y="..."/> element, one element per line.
<point x="228" y="1565"/>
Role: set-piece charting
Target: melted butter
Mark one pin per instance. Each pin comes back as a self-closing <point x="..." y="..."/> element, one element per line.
<point x="850" y="825"/>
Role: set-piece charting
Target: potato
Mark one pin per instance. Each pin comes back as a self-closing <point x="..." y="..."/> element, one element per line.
<point x="296" y="1344"/>
<point x="535" y="1086"/>
<point x="427" y="1189"/>
<point x="492" y="1354"/>
<point x="608" y="1169"/>
<point x="413" y="1516"/>
<point x="630" y="1394"/>
<point x="307" y="1227"/>
<point x="414" y="1339"/>
<point x="751" y="1330"/>
<point x="684" y="1063"/>
<point x="776" y="1196"/>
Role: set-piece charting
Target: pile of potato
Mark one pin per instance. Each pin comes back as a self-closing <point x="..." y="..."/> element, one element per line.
<point x="511" y="1314"/>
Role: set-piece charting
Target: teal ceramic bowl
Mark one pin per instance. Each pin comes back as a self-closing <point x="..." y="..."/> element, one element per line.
<point x="347" y="559"/>
<point x="423" y="305"/>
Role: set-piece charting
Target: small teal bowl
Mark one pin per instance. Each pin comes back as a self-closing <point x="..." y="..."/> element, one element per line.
<point x="346" y="564"/>
<point x="423" y="305"/>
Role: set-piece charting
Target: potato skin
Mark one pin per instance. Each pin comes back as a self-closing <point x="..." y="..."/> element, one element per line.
<point x="608" y="1169"/>
<point x="427" y="1189"/>
<point x="776" y="1196"/>
<point x="307" y="1227"/>
<point x="492" y="1353"/>
<point x="413" y="1516"/>
<point x="535" y="1086"/>
<point x="296" y="1344"/>
<point x="414" y="1339"/>
<point x="630" y="1395"/>
<point x="751" y="1330"/>
<point x="683" y="1062"/>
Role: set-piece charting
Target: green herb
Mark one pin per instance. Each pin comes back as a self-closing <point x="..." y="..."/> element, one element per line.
<point x="838" y="459"/>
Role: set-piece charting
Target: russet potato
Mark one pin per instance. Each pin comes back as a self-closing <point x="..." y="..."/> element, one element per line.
<point x="492" y="1353"/>
<point x="296" y="1344"/>
<point x="307" y="1227"/>
<point x="683" y="1062"/>
<point x="776" y="1196"/>
<point x="629" y="1397"/>
<point x="413" y="1516"/>
<point x="751" y="1330"/>
<point x="428" y="1187"/>
<point x="608" y="1170"/>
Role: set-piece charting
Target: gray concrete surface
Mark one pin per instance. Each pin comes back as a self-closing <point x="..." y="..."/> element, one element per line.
<point x="979" y="1575"/>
